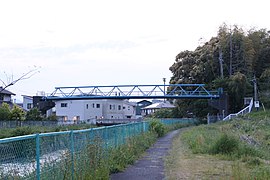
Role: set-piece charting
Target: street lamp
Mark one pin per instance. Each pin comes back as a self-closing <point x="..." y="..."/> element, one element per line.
<point x="164" y="81"/>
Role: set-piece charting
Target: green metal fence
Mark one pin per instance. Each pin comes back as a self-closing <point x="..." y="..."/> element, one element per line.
<point x="64" y="155"/>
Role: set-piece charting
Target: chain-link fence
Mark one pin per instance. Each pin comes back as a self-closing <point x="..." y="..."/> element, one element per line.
<point x="67" y="154"/>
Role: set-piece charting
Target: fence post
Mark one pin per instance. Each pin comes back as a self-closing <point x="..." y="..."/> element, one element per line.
<point x="115" y="136"/>
<point x="106" y="142"/>
<point x="123" y="133"/>
<point x="38" y="157"/>
<point x="72" y="153"/>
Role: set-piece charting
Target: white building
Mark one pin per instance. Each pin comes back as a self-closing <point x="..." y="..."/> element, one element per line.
<point x="27" y="102"/>
<point x="90" y="110"/>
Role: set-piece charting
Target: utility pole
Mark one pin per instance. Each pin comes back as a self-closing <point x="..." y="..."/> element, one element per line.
<point x="164" y="81"/>
<point x="221" y="63"/>
<point x="256" y="101"/>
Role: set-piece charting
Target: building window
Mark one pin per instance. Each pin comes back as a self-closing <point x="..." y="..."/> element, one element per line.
<point x="76" y="118"/>
<point x="1" y="97"/>
<point x="98" y="105"/>
<point x="86" y="106"/>
<point x="110" y="106"/>
<point x="93" y="105"/>
<point x="63" y="104"/>
<point x="29" y="105"/>
<point x="119" y="107"/>
<point x="124" y="107"/>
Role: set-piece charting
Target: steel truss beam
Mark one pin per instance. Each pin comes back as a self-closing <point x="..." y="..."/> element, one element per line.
<point x="170" y="91"/>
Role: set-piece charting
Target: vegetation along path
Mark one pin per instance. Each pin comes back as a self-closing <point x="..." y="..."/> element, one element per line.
<point x="151" y="166"/>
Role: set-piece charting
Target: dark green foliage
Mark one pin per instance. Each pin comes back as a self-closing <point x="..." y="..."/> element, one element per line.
<point x="33" y="114"/>
<point x="5" y="112"/>
<point x="163" y="113"/>
<point x="244" y="54"/>
<point x="52" y="118"/>
<point x="157" y="127"/>
<point x="17" y="113"/>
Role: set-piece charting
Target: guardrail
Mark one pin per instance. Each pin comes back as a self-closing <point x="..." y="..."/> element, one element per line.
<point x="244" y="111"/>
<point x="60" y="155"/>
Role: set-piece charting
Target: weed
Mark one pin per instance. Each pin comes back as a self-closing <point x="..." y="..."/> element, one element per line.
<point x="157" y="127"/>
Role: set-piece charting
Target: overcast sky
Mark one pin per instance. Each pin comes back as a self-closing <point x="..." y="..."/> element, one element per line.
<point x="109" y="42"/>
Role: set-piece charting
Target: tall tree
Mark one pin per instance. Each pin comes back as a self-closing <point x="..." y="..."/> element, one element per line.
<point x="243" y="55"/>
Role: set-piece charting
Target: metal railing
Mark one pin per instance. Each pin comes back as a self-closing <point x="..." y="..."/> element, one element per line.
<point x="64" y="155"/>
<point x="244" y="111"/>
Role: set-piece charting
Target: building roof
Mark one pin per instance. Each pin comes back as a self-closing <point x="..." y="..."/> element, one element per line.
<point x="4" y="91"/>
<point x="26" y="96"/>
<point x="143" y="101"/>
<point x="159" y="105"/>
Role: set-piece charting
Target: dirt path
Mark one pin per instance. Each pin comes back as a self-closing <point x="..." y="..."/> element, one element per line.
<point x="151" y="166"/>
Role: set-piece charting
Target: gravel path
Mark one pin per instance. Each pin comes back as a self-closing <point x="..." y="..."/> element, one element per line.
<point x="151" y="166"/>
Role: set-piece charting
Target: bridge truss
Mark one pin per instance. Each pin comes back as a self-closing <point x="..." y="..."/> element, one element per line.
<point x="170" y="91"/>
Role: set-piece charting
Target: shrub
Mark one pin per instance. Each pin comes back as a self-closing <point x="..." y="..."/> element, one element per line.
<point x="34" y="114"/>
<point x="157" y="127"/>
<point x="226" y="144"/>
<point x="52" y="117"/>
<point x="5" y="112"/>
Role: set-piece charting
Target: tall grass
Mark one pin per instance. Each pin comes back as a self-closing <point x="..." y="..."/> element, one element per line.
<point x="97" y="161"/>
<point x="245" y="141"/>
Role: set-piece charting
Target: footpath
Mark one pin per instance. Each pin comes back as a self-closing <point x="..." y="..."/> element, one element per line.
<point x="151" y="166"/>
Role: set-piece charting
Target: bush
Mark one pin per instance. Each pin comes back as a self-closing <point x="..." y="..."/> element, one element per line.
<point x="34" y="114"/>
<point x="5" y="112"/>
<point x="226" y="144"/>
<point x="157" y="127"/>
<point x="52" y="117"/>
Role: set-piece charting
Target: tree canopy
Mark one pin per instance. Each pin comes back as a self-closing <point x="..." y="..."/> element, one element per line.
<point x="229" y="60"/>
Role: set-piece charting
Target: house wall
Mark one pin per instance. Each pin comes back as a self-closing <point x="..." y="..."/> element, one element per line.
<point x="69" y="110"/>
<point x="6" y="98"/>
<point x="113" y="109"/>
<point x="129" y="110"/>
<point x="27" y="103"/>
<point x="94" y="109"/>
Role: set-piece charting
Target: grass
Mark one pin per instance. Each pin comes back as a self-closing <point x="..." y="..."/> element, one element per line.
<point x="19" y="131"/>
<point x="97" y="162"/>
<point x="237" y="149"/>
